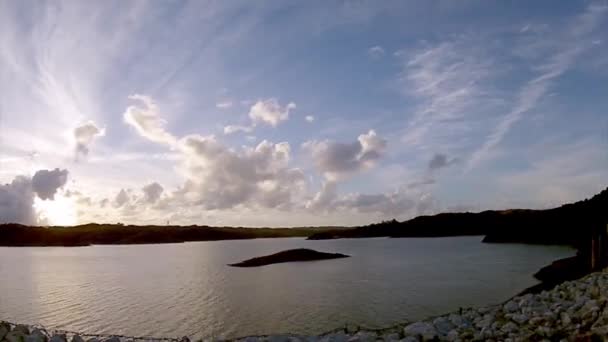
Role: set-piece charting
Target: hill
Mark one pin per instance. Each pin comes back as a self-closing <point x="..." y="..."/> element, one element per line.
<point x="569" y="224"/>
<point x="101" y="234"/>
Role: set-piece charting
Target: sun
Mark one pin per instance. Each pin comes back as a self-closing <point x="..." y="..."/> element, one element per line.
<point x="60" y="211"/>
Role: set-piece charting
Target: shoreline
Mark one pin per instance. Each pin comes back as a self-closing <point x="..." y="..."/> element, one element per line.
<point x="571" y="310"/>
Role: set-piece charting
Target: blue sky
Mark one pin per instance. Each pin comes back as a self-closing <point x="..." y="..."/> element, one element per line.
<point x="294" y="113"/>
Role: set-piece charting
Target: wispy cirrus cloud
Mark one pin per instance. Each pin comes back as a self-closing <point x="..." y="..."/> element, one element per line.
<point x="451" y="83"/>
<point x="571" y="45"/>
<point x="376" y="51"/>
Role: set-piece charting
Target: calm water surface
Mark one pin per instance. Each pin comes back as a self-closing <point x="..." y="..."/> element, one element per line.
<point x="187" y="289"/>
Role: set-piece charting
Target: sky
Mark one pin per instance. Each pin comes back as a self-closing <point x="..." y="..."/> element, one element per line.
<point x="295" y="113"/>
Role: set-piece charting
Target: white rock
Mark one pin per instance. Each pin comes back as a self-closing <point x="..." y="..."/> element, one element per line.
<point x="391" y="337"/>
<point x="336" y="337"/>
<point x="15" y="336"/>
<point x="443" y="325"/>
<point x="453" y="335"/>
<point x="519" y="318"/>
<point x="364" y="336"/>
<point x="410" y="339"/>
<point x="278" y="338"/>
<point x="36" y="336"/>
<point x="59" y="338"/>
<point x="423" y="329"/>
<point x="511" y="306"/>
<point x="509" y="327"/>
<point x="22" y="328"/>
<point x="4" y="329"/>
<point x="111" y="339"/>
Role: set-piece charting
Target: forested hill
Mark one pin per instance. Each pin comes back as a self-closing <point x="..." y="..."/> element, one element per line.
<point x="568" y="224"/>
<point x="89" y="234"/>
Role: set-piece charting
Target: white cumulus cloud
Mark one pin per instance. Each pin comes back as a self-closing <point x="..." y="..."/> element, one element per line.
<point x="338" y="160"/>
<point x="270" y="112"/>
<point x="147" y="121"/>
<point x="17" y="197"/>
<point x="84" y="135"/>
<point x="230" y="129"/>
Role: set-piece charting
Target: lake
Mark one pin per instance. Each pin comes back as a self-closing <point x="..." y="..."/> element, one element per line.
<point x="172" y="290"/>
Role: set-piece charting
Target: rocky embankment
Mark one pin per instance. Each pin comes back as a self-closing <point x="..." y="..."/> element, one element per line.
<point x="572" y="311"/>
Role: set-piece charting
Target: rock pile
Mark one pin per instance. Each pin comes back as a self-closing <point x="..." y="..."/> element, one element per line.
<point x="573" y="311"/>
<point x="22" y="333"/>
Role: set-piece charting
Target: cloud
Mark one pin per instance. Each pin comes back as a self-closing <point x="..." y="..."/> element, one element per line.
<point x="376" y="51"/>
<point x="269" y="112"/>
<point x="450" y="82"/>
<point x="402" y="203"/>
<point x="219" y="177"/>
<point x="45" y="183"/>
<point x="339" y="160"/>
<point x="84" y="135"/>
<point x="230" y="129"/>
<point x="309" y="118"/>
<point x="147" y="120"/>
<point x="421" y="183"/>
<point x="440" y="161"/>
<point x="224" y="104"/>
<point x="152" y="192"/>
<point x="17" y="202"/>
<point x="121" y="198"/>
<point x="535" y="89"/>
<point x="324" y="200"/>
<point x="17" y="197"/>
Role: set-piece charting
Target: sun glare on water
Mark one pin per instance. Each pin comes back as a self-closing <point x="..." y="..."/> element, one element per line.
<point x="58" y="212"/>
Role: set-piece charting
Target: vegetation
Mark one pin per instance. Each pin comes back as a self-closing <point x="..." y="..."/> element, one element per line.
<point x="570" y="224"/>
<point x="100" y="234"/>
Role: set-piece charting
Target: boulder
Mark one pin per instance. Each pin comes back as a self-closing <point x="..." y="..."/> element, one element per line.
<point x="410" y="339"/>
<point x="453" y="335"/>
<point x="510" y="307"/>
<point x="422" y="329"/>
<point x="22" y="328"/>
<point x="389" y="337"/>
<point x="519" y="318"/>
<point x="58" y="338"/>
<point x="335" y="337"/>
<point x="15" y="336"/>
<point x="509" y="327"/>
<point x="36" y="336"/>
<point x="443" y="325"/>
<point x="111" y="339"/>
<point x="4" y="329"/>
<point x="77" y="338"/>
<point x="364" y="336"/>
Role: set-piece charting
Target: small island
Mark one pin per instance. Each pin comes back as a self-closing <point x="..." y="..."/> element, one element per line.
<point x="300" y="254"/>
